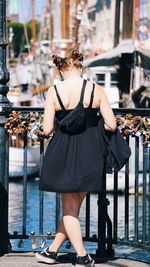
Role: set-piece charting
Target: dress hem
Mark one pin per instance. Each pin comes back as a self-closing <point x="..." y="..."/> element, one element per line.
<point x="70" y="192"/>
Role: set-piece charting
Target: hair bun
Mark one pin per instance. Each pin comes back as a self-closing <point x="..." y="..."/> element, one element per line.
<point x="57" y="60"/>
<point x="77" y="55"/>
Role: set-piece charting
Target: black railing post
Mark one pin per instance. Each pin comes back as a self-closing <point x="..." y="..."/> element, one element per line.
<point x="104" y="244"/>
<point x="101" y="250"/>
<point x="4" y="111"/>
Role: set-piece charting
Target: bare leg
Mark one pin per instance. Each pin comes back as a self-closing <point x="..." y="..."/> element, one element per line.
<point x="59" y="239"/>
<point x="61" y="234"/>
<point x="71" y="203"/>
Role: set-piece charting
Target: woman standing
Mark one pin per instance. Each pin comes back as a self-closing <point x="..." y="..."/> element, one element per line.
<point x="74" y="164"/>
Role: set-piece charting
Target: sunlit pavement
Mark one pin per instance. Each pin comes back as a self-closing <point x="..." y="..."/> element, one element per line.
<point x="27" y="259"/>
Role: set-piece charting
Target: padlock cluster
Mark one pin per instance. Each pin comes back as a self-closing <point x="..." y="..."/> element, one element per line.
<point x="18" y="123"/>
<point x="32" y="123"/>
<point x="134" y="126"/>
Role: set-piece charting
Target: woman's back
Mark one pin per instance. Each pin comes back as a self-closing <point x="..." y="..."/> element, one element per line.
<point x="70" y="91"/>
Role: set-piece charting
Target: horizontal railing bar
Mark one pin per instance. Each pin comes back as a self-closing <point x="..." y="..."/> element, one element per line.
<point x="90" y="239"/>
<point x="122" y="111"/>
<point x="133" y="111"/>
<point x="94" y="240"/>
<point x="27" y="109"/>
<point x="30" y="237"/>
<point x="48" y="237"/>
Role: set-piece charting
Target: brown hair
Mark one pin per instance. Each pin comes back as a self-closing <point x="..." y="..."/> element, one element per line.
<point x="74" y="59"/>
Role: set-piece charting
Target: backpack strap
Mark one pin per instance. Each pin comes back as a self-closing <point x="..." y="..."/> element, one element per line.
<point x="82" y="91"/>
<point x="58" y="97"/>
<point x="92" y="96"/>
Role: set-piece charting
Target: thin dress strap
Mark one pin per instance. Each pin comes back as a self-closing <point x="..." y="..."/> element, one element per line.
<point x="82" y="91"/>
<point x="58" y="97"/>
<point x="92" y="96"/>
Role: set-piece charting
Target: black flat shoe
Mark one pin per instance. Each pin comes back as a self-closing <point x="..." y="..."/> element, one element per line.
<point x="46" y="256"/>
<point x="85" y="261"/>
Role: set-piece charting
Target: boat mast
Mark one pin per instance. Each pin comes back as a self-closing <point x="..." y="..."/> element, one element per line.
<point x="26" y="37"/>
<point x="51" y="24"/>
<point x="33" y="30"/>
<point x="68" y="25"/>
<point x="65" y="22"/>
<point x="63" y="15"/>
<point x="77" y="24"/>
<point x="127" y="29"/>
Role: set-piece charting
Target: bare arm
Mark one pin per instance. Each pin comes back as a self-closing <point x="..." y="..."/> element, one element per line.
<point x="49" y="113"/>
<point x="106" y="111"/>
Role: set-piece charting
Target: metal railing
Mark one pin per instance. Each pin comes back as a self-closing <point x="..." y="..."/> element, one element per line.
<point x="107" y="231"/>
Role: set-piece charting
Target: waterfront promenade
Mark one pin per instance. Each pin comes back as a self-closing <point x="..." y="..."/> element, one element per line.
<point x="27" y="259"/>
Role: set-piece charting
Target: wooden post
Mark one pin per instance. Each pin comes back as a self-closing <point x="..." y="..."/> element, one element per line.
<point x="33" y="30"/>
<point x="51" y="24"/>
<point x="63" y="15"/>
<point x="67" y="19"/>
<point x="148" y="16"/>
<point x="67" y="25"/>
<point x="77" y="24"/>
<point x="117" y="23"/>
<point x="65" y="22"/>
<point x="26" y="37"/>
<point x="127" y="32"/>
<point x="136" y="18"/>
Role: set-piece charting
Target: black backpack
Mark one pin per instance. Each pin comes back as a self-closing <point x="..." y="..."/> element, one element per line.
<point x="74" y="121"/>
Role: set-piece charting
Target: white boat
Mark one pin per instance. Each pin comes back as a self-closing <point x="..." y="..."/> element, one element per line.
<point x="16" y="161"/>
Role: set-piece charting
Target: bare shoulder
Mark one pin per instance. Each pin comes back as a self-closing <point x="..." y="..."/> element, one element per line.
<point x="100" y="91"/>
<point x="99" y="88"/>
<point x="51" y="92"/>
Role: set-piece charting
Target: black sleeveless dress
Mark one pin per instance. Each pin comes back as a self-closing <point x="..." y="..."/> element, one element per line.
<point x="75" y="163"/>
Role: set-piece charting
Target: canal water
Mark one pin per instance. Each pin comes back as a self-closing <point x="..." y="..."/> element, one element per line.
<point x="15" y="218"/>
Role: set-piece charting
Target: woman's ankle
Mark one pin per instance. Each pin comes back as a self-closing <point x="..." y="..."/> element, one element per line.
<point x="82" y="253"/>
<point x="52" y="249"/>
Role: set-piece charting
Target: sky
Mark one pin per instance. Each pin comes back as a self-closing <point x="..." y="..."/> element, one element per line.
<point x="24" y="8"/>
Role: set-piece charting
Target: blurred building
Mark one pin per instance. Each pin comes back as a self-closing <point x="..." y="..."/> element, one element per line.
<point x="97" y="26"/>
<point x="109" y="18"/>
<point x="142" y="23"/>
<point x="102" y="19"/>
<point x="56" y="20"/>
